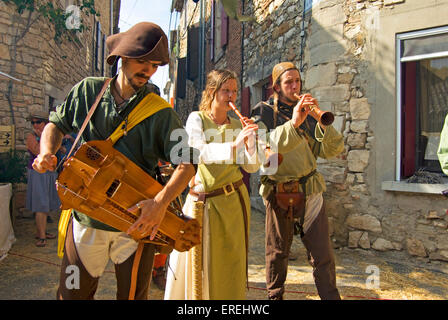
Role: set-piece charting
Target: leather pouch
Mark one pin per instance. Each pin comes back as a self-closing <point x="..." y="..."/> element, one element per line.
<point x="293" y="199"/>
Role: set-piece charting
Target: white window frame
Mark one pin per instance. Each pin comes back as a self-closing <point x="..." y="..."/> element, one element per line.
<point x="398" y="60"/>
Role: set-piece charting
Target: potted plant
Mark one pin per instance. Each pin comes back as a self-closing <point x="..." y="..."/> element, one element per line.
<point x="13" y="166"/>
<point x="12" y="171"/>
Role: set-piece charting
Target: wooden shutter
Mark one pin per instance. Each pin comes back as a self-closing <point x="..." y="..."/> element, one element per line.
<point x="193" y="53"/>
<point x="212" y="32"/>
<point x="267" y="90"/>
<point x="409" y="119"/>
<point x="181" y="83"/>
<point x="224" y="27"/>
<point x="245" y="101"/>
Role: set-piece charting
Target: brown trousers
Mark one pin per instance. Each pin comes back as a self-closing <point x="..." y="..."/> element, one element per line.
<point x="279" y="236"/>
<point x="68" y="290"/>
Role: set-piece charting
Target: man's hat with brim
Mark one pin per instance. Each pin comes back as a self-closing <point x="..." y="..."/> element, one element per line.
<point x="38" y="114"/>
<point x="145" y="40"/>
<point x="280" y="68"/>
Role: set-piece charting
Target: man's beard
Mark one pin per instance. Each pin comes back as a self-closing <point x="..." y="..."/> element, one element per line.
<point x="136" y="86"/>
<point x="286" y="99"/>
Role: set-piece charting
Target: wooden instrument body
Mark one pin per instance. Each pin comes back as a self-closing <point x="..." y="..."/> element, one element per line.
<point x="102" y="183"/>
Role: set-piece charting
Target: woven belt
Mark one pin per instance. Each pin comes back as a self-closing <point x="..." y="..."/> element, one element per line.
<point x="228" y="189"/>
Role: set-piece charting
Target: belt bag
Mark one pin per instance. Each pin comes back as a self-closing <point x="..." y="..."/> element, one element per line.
<point x="285" y="200"/>
<point x="287" y="195"/>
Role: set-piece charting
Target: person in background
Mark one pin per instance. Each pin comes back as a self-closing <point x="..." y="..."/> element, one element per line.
<point x="41" y="195"/>
<point x="442" y="151"/>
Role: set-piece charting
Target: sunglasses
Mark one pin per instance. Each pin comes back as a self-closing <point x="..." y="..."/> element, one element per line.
<point x="37" y="121"/>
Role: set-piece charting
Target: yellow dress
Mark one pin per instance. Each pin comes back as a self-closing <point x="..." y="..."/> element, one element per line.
<point x="223" y="246"/>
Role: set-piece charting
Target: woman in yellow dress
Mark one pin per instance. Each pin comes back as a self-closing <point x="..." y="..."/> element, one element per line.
<point x="224" y="147"/>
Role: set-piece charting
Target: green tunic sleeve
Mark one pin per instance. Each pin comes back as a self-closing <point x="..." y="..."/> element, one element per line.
<point x="328" y="143"/>
<point x="442" y="152"/>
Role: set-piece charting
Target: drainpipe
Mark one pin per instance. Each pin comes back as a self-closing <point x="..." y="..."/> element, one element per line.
<point x="242" y="48"/>
<point x="302" y="36"/>
<point x="202" y="45"/>
<point x="111" y="17"/>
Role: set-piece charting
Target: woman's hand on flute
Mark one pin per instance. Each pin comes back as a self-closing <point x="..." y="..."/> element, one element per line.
<point x="246" y="121"/>
<point x="246" y="137"/>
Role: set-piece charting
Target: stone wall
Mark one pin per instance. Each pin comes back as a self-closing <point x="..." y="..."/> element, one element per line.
<point x="334" y="45"/>
<point x="45" y="67"/>
<point x="229" y="56"/>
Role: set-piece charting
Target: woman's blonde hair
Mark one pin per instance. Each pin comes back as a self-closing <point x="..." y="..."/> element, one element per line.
<point x="215" y="79"/>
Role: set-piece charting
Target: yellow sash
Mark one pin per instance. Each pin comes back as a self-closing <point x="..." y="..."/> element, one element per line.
<point x="146" y="108"/>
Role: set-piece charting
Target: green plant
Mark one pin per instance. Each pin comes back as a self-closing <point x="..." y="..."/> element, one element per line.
<point x="13" y="166"/>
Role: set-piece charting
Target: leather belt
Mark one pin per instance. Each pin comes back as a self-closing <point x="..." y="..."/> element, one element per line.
<point x="292" y="185"/>
<point x="228" y="189"/>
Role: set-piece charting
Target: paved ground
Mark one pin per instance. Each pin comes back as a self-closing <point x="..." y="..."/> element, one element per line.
<point x="29" y="272"/>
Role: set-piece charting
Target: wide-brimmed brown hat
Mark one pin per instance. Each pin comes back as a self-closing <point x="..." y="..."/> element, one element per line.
<point x="38" y="114"/>
<point x="281" y="67"/>
<point x="144" y="40"/>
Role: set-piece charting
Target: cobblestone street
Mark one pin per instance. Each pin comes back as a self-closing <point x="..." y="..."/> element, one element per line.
<point x="29" y="272"/>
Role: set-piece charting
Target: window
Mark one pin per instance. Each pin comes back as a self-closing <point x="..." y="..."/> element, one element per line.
<point x="267" y="89"/>
<point x="422" y="99"/>
<point x="103" y="54"/>
<point x="98" y="44"/>
<point x="51" y="103"/>
<point x="220" y="30"/>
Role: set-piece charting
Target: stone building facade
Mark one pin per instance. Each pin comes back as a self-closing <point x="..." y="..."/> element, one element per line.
<point x="349" y="58"/>
<point x="203" y="28"/>
<point x="381" y="67"/>
<point x="47" y="69"/>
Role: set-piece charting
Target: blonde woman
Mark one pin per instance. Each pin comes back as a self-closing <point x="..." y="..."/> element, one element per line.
<point x="224" y="147"/>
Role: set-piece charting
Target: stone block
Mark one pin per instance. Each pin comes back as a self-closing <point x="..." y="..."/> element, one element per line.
<point x="365" y="222"/>
<point x="442" y="241"/>
<point x="4" y="52"/>
<point x="356" y="140"/>
<point x="328" y="52"/>
<point x="381" y="244"/>
<point x="416" y="248"/>
<point x="359" y="109"/>
<point x="321" y="76"/>
<point x="333" y="174"/>
<point x="392" y="2"/>
<point x="353" y="238"/>
<point x="337" y="93"/>
<point x="320" y="36"/>
<point x="440" y="255"/>
<point x="364" y="241"/>
<point x="330" y="16"/>
<point x="359" y="126"/>
<point x="358" y="160"/>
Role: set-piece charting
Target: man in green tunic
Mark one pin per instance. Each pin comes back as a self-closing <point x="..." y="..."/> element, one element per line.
<point x="89" y="243"/>
<point x="442" y="151"/>
<point x="293" y="193"/>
